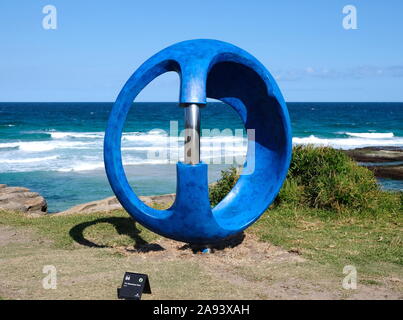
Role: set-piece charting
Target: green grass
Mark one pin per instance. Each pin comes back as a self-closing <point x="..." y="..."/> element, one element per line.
<point x="373" y="243"/>
<point x="327" y="240"/>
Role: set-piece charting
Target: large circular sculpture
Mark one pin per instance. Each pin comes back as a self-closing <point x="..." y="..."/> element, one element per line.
<point x="219" y="70"/>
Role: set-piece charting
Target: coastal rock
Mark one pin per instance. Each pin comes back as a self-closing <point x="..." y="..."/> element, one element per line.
<point x="104" y="205"/>
<point x="112" y="203"/>
<point x="384" y="162"/>
<point x="376" y="154"/>
<point x="389" y="172"/>
<point x="22" y="199"/>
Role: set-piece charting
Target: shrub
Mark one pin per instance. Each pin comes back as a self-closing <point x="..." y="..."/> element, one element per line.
<point x="329" y="179"/>
<point x="325" y="178"/>
<point x="220" y="189"/>
<point x="291" y="193"/>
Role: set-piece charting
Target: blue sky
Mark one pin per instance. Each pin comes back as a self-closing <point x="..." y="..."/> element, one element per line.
<point x="98" y="44"/>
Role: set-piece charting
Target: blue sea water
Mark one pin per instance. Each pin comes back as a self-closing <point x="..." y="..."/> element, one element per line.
<point x="56" y="148"/>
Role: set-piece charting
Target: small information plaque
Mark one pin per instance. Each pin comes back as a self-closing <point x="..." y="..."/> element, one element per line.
<point x="133" y="286"/>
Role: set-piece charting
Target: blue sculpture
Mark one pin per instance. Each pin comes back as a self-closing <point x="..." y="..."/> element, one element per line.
<point x="219" y="70"/>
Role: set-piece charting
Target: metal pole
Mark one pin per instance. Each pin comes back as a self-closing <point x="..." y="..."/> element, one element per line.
<point x="192" y="134"/>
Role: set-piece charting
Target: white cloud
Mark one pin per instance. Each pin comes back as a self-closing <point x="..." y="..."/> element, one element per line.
<point x="358" y="72"/>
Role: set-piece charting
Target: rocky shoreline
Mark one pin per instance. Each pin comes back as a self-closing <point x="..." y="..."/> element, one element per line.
<point x="34" y="205"/>
<point x="376" y="154"/>
<point x="385" y="162"/>
<point x="22" y="199"/>
<point x="112" y="203"/>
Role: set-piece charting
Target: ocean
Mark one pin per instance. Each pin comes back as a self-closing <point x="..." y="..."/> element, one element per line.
<point x="56" y="148"/>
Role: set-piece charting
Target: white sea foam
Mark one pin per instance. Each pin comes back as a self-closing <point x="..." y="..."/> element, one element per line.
<point x="145" y="161"/>
<point x="41" y="146"/>
<point x="82" y="151"/>
<point x="37" y="146"/>
<point x="144" y="148"/>
<point x="371" y="135"/>
<point x="349" y="143"/>
<point x="156" y="137"/>
<point x="88" y="166"/>
<point x="83" y="166"/>
<point x="129" y="136"/>
<point x="85" y="135"/>
<point x="8" y="145"/>
<point x="29" y="160"/>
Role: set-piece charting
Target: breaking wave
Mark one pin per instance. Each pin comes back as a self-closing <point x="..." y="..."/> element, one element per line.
<point x="356" y="140"/>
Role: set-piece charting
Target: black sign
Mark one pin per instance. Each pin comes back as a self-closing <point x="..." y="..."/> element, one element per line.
<point x="133" y="286"/>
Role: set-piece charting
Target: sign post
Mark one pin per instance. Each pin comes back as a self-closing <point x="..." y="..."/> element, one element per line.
<point x="133" y="286"/>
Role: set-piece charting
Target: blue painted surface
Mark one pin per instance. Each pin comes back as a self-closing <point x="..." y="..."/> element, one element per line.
<point x="214" y="69"/>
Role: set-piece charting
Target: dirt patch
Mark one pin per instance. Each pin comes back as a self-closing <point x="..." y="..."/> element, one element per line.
<point x="10" y="235"/>
<point x="242" y="247"/>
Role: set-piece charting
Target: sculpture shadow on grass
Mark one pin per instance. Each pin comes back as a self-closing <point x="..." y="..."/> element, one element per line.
<point x="123" y="226"/>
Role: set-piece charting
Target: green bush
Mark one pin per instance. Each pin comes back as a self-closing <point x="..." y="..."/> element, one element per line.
<point x="325" y="178"/>
<point x="220" y="189"/>
<point x="291" y="193"/>
<point x="329" y="179"/>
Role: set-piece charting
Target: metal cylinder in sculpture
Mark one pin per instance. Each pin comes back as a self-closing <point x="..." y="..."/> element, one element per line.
<point x="218" y="70"/>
